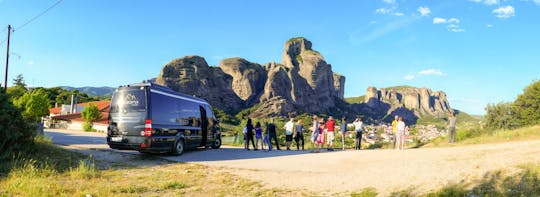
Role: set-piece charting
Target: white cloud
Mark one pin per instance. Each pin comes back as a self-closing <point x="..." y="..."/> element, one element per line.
<point x="390" y="1"/>
<point x="399" y="14"/>
<point x="453" y="20"/>
<point x="424" y="11"/>
<point x="431" y="72"/>
<point x="383" y="11"/>
<point x="504" y="12"/>
<point x="438" y="20"/>
<point x="31" y="62"/>
<point x="452" y="24"/>
<point x="455" y="29"/>
<point x="409" y="77"/>
<point x="487" y="2"/>
<point x="489" y="25"/>
<point x="537" y="2"/>
<point x="491" y="2"/>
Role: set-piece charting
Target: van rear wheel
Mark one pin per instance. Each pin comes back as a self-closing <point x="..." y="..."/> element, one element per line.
<point x="179" y="147"/>
<point x="217" y="143"/>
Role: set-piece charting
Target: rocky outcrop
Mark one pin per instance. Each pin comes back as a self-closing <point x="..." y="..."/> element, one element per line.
<point x="339" y="86"/>
<point x="303" y="82"/>
<point x="192" y="75"/>
<point x="248" y="78"/>
<point x="407" y="101"/>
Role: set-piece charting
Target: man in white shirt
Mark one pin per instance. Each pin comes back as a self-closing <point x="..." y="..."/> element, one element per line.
<point x="359" y="127"/>
<point x="289" y="126"/>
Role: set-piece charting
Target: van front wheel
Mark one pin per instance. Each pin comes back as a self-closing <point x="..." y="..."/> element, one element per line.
<point x="178" y="148"/>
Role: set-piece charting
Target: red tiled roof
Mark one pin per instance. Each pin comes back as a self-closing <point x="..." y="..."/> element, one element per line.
<point x="103" y="106"/>
<point x="78" y="117"/>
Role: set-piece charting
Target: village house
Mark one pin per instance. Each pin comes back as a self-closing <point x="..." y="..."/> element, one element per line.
<point x="70" y="117"/>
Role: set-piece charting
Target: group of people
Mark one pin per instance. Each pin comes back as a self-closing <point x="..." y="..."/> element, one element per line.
<point x="322" y="132"/>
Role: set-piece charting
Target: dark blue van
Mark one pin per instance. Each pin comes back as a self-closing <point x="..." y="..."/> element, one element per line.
<point x="151" y="118"/>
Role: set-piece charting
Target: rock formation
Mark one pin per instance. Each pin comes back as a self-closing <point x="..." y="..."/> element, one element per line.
<point x="192" y="75"/>
<point x="303" y="82"/>
<point x="407" y="101"/>
<point x="248" y="78"/>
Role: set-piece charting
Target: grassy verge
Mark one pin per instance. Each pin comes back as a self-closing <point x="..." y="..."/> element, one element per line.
<point x="52" y="171"/>
<point x="526" y="182"/>
<point x="497" y="136"/>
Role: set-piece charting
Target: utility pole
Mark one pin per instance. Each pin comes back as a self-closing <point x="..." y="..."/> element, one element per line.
<point x="7" y="58"/>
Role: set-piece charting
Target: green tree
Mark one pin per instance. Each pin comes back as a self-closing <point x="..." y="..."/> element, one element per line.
<point x="16" y="92"/>
<point x="34" y="104"/>
<point x="528" y="104"/>
<point x="18" y="89"/>
<point x="502" y="116"/>
<point x="19" y="81"/>
<point x="90" y="114"/>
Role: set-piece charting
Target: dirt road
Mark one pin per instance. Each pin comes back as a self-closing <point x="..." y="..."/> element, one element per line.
<point x="347" y="171"/>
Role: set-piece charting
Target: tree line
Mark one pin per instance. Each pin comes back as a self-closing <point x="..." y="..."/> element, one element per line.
<point x="524" y="111"/>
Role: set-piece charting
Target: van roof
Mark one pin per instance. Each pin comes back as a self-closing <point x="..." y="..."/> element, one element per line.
<point x="164" y="89"/>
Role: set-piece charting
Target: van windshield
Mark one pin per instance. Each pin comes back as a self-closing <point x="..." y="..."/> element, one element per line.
<point x="127" y="100"/>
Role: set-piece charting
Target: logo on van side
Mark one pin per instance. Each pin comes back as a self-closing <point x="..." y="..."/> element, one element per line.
<point x="131" y="100"/>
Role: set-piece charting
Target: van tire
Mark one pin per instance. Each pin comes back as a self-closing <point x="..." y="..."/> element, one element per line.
<point x="217" y="143"/>
<point x="178" y="147"/>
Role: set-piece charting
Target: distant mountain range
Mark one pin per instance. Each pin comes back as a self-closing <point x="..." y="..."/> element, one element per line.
<point x="92" y="91"/>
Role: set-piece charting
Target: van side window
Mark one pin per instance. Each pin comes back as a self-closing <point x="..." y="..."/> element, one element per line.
<point x="173" y="111"/>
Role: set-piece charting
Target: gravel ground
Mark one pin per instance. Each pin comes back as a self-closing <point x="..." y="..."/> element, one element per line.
<point x="336" y="172"/>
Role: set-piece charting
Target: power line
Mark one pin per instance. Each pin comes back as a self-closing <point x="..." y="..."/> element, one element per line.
<point x="37" y="16"/>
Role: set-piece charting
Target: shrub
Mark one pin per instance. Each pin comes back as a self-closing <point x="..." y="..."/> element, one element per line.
<point x="16" y="131"/>
<point x="90" y="114"/>
<point x="87" y="126"/>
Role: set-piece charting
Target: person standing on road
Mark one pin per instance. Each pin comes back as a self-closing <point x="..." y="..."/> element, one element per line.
<point x="330" y="127"/>
<point x="343" y="131"/>
<point x="258" y="136"/>
<point x="289" y="127"/>
<point x="249" y="134"/>
<point x="451" y="127"/>
<point x="400" y="133"/>
<point x="272" y="133"/>
<point x="321" y="136"/>
<point x="267" y="136"/>
<point x="394" y="129"/>
<point x="314" y="130"/>
<point x="359" y="128"/>
<point x="298" y="135"/>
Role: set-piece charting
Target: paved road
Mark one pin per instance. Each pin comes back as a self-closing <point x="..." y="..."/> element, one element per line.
<point x="345" y="171"/>
<point x="97" y="141"/>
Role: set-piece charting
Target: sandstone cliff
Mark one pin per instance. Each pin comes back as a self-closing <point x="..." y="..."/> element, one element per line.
<point x="407" y="101"/>
<point x="303" y="82"/>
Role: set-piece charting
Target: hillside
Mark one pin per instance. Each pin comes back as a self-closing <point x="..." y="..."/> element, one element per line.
<point x="92" y="91"/>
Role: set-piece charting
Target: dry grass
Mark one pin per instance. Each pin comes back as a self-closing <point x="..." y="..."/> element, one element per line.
<point x="72" y="174"/>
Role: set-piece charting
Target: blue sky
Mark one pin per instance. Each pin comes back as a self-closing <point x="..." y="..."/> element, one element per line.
<point x="477" y="51"/>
